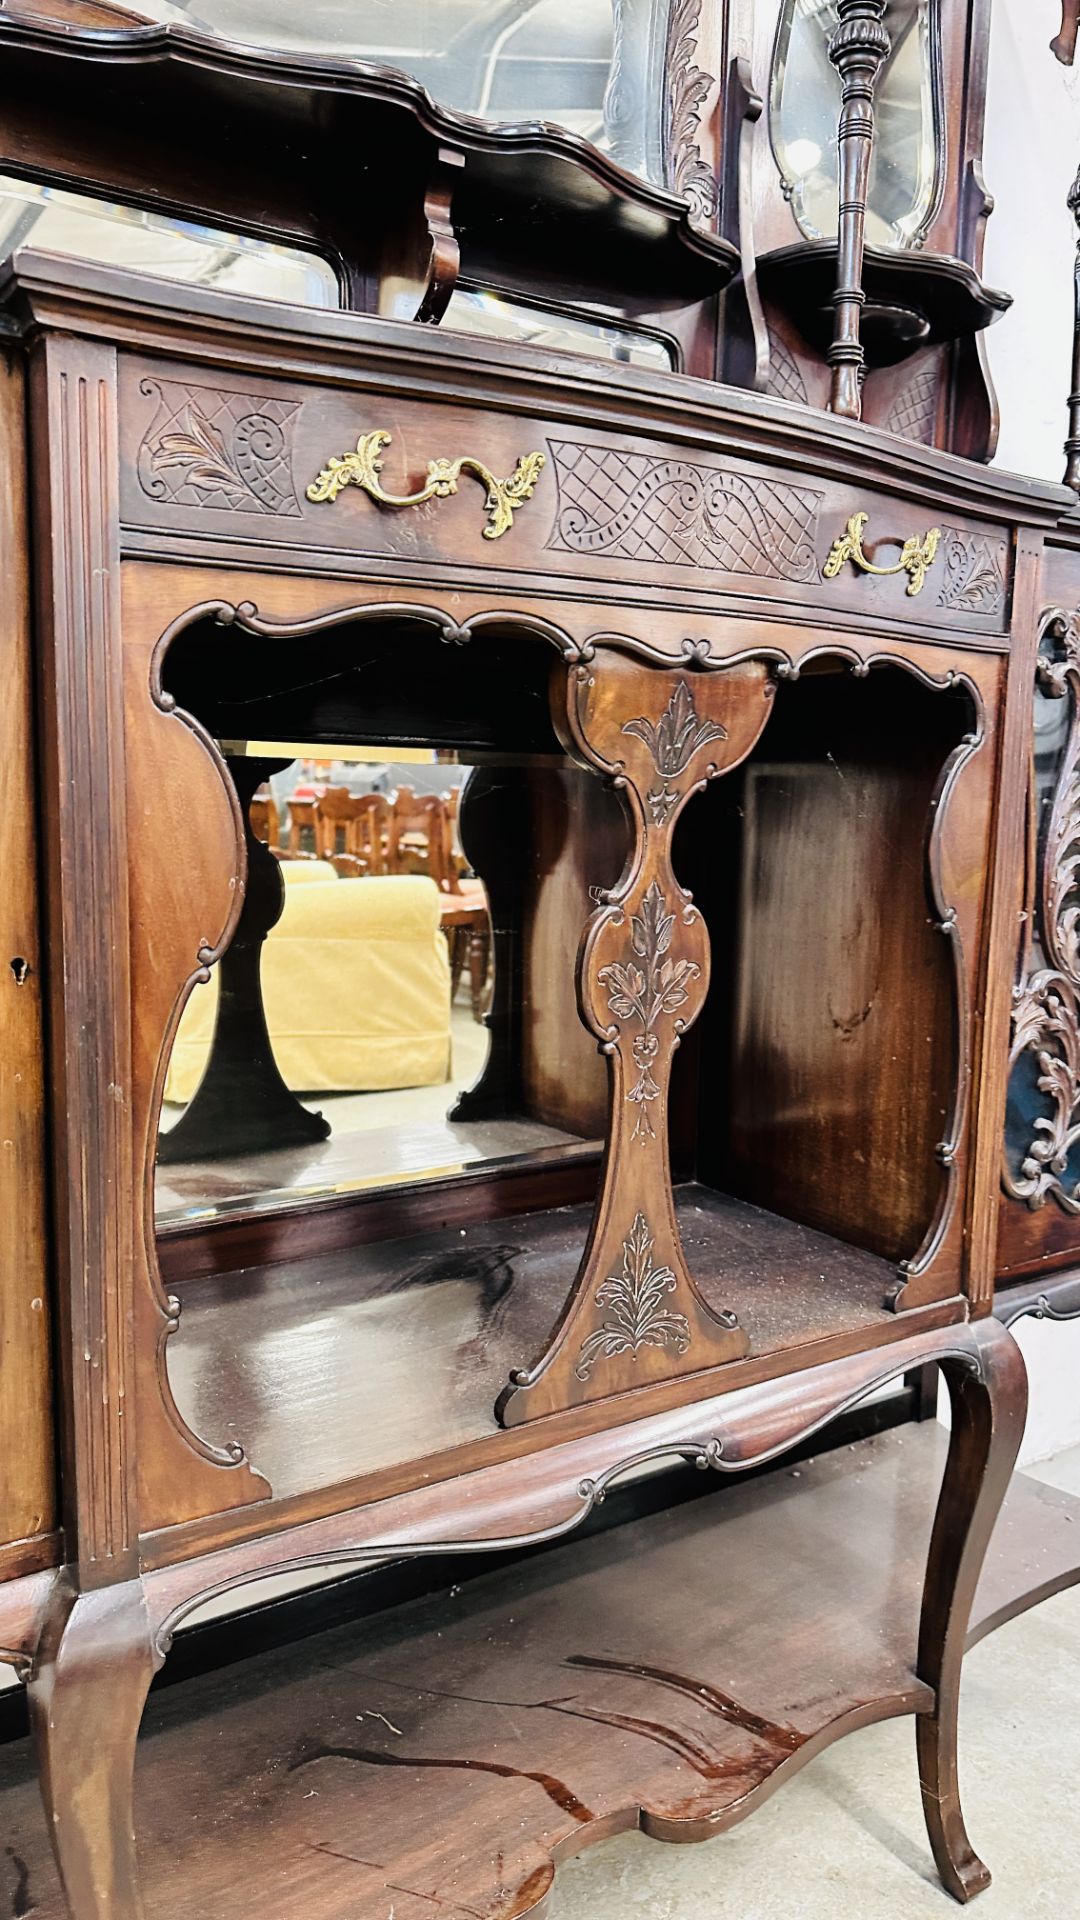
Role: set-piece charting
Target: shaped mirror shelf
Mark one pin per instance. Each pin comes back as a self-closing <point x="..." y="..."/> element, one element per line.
<point x="592" y="67"/>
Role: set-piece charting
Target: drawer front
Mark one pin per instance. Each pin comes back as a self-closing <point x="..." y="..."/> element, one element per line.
<point x="376" y="481"/>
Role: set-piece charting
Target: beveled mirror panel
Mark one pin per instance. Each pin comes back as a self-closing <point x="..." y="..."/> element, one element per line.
<point x="804" y="107"/>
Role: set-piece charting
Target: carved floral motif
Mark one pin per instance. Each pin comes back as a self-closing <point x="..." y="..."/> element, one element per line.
<point x="1046" y="1004"/>
<point x="673" y="743"/>
<point x="974" y="572"/>
<point x="211" y="448"/>
<point x="646" y="993"/>
<point x="634" y="1314"/>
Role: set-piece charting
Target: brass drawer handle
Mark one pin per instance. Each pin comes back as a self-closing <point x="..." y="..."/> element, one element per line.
<point x="916" y="556"/>
<point x="362" y="469"/>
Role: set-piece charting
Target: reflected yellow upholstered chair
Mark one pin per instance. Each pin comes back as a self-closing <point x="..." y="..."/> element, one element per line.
<point x="356" y="987"/>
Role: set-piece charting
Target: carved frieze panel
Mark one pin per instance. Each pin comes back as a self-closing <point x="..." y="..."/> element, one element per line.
<point x="217" y="449"/>
<point x="1044" y="1061"/>
<point x="634" y="506"/>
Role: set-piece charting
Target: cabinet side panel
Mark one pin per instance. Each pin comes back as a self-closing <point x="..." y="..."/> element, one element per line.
<point x="27" y="1479"/>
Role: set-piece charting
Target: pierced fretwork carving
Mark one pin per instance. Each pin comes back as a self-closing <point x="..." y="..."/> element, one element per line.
<point x="1046" y="1003"/>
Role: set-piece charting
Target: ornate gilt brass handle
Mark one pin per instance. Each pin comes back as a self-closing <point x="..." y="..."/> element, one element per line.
<point x="362" y="469"/>
<point x="917" y="555"/>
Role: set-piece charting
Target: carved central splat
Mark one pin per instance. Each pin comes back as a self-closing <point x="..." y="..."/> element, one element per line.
<point x="634" y="1315"/>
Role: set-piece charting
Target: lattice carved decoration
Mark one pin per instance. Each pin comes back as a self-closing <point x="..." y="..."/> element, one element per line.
<point x="1046" y="1003"/>
<point x="218" y="449"/>
<point x="680" y="513"/>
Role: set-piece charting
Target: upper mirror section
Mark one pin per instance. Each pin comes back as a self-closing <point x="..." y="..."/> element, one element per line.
<point x="592" y="67"/>
<point x="804" y="108"/>
<point x="85" y="228"/>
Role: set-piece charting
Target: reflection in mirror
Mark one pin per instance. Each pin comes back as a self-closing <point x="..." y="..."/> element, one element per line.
<point x="593" y="67"/>
<point x="343" y="1042"/>
<point x="85" y="228"/>
<point x="495" y="317"/>
<point x="383" y="1116"/>
<point x="804" y="111"/>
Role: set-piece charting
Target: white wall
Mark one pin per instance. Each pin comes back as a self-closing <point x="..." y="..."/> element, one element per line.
<point x="1031" y="153"/>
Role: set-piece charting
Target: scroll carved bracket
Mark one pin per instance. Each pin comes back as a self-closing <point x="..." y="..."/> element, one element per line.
<point x="363" y="468"/>
<point x="1046" y="1002"/>
<point x="636" y="1315"/>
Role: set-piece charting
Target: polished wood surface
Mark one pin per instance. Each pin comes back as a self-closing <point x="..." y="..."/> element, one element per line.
<point x="339" y="1391"/>
<point x="348" y="1815"/>
<point x="28" y="1498"/>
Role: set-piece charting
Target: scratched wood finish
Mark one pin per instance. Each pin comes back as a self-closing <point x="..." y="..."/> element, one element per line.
<point x="274" y="1787"/>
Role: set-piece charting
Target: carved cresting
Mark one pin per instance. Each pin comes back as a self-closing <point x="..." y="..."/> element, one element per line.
<point x="635" y="1314"/>
<point x="1046" y="1003"/>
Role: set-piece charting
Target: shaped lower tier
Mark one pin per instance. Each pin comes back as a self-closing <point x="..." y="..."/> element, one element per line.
<point x="438" y="1758"/>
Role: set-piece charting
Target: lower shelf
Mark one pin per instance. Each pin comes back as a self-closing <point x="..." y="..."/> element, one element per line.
<point x="341" y="1364"/>
<point x="440" y="1758"/>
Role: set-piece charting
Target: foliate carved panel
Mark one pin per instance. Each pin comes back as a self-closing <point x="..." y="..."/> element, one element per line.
<point x="635" y="1315"/>
<point x="1046" y="1003"/>
<point x="686" y="90"/>
<point x="633" y="1302"/>
<point x="208" y="447"/>
<point x="633" y="506"/>
<point x="975" y="567"/>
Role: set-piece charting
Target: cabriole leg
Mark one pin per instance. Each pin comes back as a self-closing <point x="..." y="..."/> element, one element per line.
<point x="87" y="1690"/>
<point x="988" y="1412"/>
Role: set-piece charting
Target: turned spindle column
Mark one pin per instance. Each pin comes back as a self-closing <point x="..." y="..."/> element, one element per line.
<point x="857" y="50"/>
<point x="1072" y="443"/>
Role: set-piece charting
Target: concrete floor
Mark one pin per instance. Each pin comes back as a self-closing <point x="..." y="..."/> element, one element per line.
<point x="846" y="1840"/>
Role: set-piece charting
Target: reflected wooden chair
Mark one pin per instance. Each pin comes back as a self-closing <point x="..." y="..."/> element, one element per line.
<point x="352" y="831"/>
<point x="300" y="842"/>
<point x="422" y="841"/>
<point x="265" y="821"/>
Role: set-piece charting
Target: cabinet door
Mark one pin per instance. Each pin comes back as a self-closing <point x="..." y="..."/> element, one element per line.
<point x="27" y="1472"/>
<point x="1040" y="1212"/>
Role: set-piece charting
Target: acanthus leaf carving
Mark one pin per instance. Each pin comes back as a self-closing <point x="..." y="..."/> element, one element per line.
<point x="687" y="89"/>
<point x="632" y="1301"/>
<point x="974" y="572"/>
